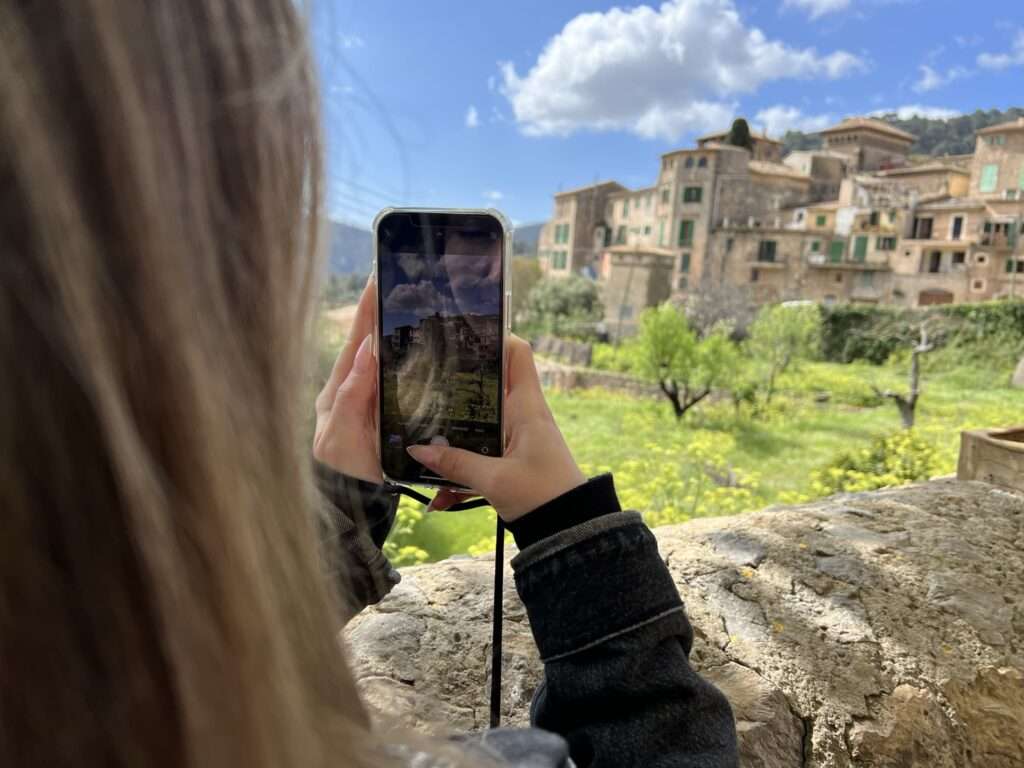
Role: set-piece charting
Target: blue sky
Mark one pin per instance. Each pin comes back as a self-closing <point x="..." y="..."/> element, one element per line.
<point x="481" y="103"/>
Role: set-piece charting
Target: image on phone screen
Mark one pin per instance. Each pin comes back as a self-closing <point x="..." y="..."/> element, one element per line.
<point x="440" y="289"/>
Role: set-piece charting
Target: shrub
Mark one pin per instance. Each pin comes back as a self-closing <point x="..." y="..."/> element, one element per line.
<point x="874" y="333"/>
<point x="399" y="547"/>
<point x="898" y="459"/>
<point x="564" y="306"/>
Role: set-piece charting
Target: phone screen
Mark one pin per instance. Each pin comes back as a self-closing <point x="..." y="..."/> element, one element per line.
<point x="440" y="288"/>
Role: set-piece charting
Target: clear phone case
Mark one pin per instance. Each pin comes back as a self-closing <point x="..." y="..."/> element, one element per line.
<point x="506" y="308"/>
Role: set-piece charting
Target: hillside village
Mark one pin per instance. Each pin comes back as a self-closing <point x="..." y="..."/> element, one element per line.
<point x="857" y="221"/>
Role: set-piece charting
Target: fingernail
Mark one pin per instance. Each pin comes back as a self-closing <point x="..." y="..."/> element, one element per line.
<point x="364" y="355"/>
<point x="424" y="454"/>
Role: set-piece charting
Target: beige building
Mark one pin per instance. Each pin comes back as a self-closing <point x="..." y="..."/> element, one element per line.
<point x="766" y="149"/>
<point x="854" y="222"/>
<point x="566" y="244"/>
<point x="871" y="145"/>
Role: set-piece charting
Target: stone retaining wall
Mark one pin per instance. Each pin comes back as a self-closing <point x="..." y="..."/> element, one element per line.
<point x="876" y="629"/>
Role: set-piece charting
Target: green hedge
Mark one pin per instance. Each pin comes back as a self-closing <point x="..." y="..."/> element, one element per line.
<point x="854" y="332"/>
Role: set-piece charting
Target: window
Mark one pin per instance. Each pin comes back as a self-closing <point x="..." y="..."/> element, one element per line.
<point x="873" y="220"/>
<point x="1020" y="181"/>
<point x="558" y="259"/>
<point x="835" y="251"/>
<point x="885" y="244"/>
<point x="607" y="236"/>
<point x="689" y="162"/>
<point x="959" y="258"/>
<point x="978" y="285"/>
<point x="816" y="246"/>
<point x="686" y="232"/>
<point x="1015" y="265"/>
<point x="766" y="250"/>
<point x="860" y="248"/>
<point x="647" y="199"/>
<point x="625" y="208"/>
<point x="989" y="178"/>
<point x="684" y="283"/>
<point x="661" y="232"/>
<point x="867" y="279"/>
<point x="684" y="262"/>
<point x="728" y="245"/>
<point x="692" y="194"/>
<point x="702" y="163"/>
<point x="982" y="259"/>
<point x="922" y="229"/>
<point x="839" y="277"/>
<point x="935" y="262"/>
<point x="647" y="229"/>
<point x="754" y="275"/>
<point x="620" y="235"/>
<point x="562" y="233"/>
<point x="819" y="220"/>
<point x="957" y="228"/>
<point x="664" y="194"/>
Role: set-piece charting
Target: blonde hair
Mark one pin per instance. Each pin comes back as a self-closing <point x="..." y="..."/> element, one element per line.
<point x="161" y="599"/>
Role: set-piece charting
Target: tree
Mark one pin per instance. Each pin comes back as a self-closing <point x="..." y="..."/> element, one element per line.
<point x="525" y="274"/>
<point x="907" y="404"/>
<point x="739" y="135"/>
<point x="564" y="306"/>
<point x="780" y="335"/>
<point x="685" y="367"/>
<point x="724" y="304"/>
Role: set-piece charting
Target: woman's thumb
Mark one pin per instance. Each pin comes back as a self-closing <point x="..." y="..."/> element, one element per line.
<point x="468" y="469"/>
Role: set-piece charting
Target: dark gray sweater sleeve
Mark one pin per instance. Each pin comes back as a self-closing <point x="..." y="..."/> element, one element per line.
<point x="615" y="642"/>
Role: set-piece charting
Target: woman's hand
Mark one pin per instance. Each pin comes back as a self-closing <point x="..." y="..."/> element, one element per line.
<point x="346" y="408"/>
<point x="537" y="466"/>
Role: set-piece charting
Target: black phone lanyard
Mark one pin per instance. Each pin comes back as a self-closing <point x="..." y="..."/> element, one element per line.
<point x="499" y="572"/>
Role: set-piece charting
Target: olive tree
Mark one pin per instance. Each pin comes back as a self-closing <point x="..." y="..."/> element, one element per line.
<point x="782" y="334"/>
<point x="686" y="367"/>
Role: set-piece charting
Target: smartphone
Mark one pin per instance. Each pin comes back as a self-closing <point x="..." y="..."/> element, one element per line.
<point x="442" y="319"/>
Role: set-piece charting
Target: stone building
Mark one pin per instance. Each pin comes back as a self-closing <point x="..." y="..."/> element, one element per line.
<point x="566" y="243"/>
<point x="871" y="145"/>
<point x="854" y="222"/>
<point x="765" y="149"/>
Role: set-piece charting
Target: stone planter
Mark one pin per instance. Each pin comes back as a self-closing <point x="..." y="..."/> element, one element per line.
<point x="993" y="456"/>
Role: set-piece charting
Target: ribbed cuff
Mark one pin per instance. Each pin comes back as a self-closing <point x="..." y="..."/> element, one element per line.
<point x="594" y="498"/>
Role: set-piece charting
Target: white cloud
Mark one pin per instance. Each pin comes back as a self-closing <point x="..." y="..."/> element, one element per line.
<point x="656" y="73"/>
<point x="1014" y="57"/>
<point x="352" y="41"/>
<point x="916" y="110"/>
<point x="493" y="195"/>
<point x="967" y="41"/>
<point x="472" y="117"/>
<point x="775" y="121"/>
<point x="818" y="8"/>
<point x="931" y="78"/>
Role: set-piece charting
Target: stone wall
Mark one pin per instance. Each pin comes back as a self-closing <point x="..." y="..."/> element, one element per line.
<point x="877" y="629"/>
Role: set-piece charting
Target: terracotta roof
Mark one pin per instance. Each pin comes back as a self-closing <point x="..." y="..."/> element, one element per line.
<point x="869" y="124"/>
<point x="936" y="167"/>
<point x="1013" y="125"/>
<point x="724" y="134"/>
<point x="587" y="187"/>
<point x="776" y="169"/>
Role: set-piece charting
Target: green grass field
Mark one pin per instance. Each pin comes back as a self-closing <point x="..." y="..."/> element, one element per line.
<point x="655" y="459"/>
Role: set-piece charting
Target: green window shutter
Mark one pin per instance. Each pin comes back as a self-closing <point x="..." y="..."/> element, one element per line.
<point x="989" y="178"/>
<point x="625" y="208"/>
<point x="1020" y="181"/>
<point x="860" y="249"/>
<point x="661" y="232"/>
<point x="686" y="232"/>
<point x="820" y="221"/>
<point x="684" y="265"/>
<point x="835" y="250"/>
<point x="815" y="246"/>
<point x="1009" y="265"/>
